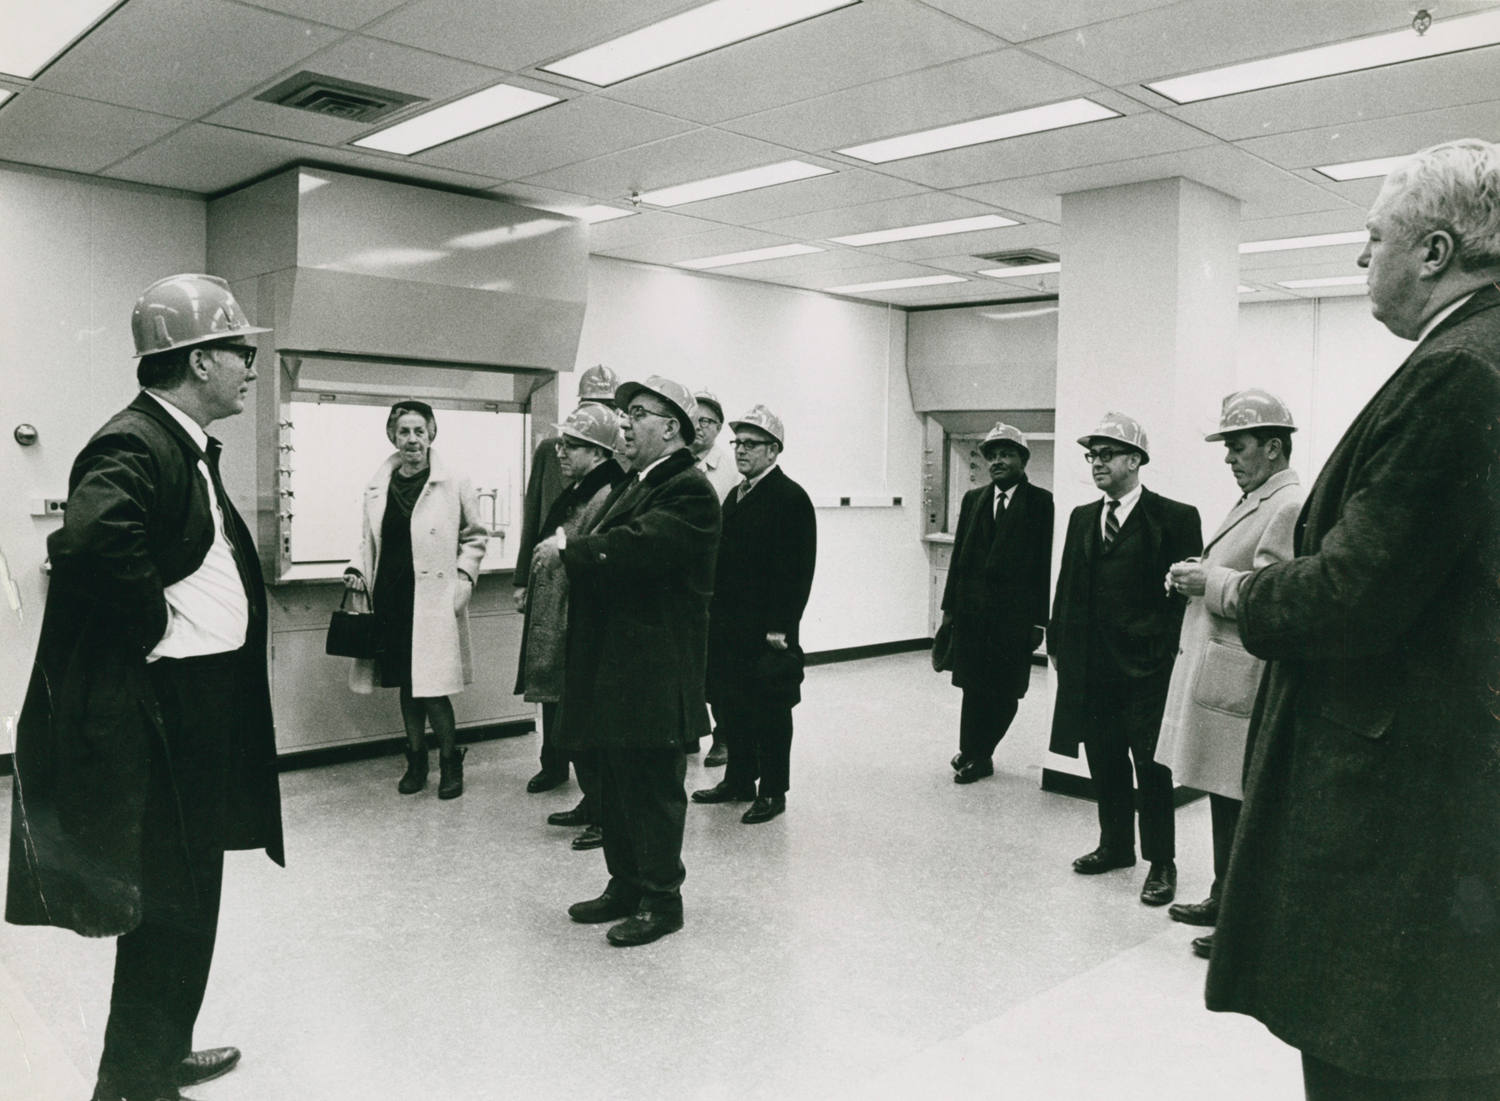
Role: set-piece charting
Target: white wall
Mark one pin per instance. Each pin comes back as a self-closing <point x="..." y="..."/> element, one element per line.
<point x="835" y="372"/>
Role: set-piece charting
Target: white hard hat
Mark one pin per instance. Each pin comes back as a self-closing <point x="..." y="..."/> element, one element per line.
<point x="1126" y="430"/>
<point x="675" y="394"/>
<point x="764" y="420"/>
<point x="593" y="423"/>
<point x="1005" y="433"/>
<point x="1247" y="409"/>
<point x="183" y="310"/>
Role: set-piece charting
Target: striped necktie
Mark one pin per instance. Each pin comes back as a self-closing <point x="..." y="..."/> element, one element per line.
<point x="1111" y="525"/>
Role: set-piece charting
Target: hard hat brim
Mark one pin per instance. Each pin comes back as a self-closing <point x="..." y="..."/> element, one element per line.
<point x="1003" y="441"/>
<point x="1215" y="437"/>
<point x="211" y="338"/>
<point x="628" y="390"/>
<point x="735" y="426"/>
<point x="1083" y="441"/>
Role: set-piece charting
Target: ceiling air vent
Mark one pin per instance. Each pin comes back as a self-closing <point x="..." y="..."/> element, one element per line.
<point x="1019" y="258"/>
<point x="326" y="95"/>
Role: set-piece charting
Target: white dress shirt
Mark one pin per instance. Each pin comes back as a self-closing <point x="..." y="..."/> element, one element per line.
<point x="1127" y="506"/>
<point x="207" y="611"/>
<point x="1437" y="319"/>
<point x="1008" y="494"/>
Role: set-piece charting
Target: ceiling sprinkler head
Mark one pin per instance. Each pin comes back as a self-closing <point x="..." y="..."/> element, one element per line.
<point x="1421" y="20"/>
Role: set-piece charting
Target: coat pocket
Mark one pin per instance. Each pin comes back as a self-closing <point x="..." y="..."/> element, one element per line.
<point x="1228" y="680"/>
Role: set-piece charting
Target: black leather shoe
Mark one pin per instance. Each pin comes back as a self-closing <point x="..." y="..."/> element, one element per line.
<point x="1161" y="884"/>
<point x="958" y="761"/>
<point x="718" y="756"/>
<point x="974" y="770"/>
<point x="103" y="1093"/>
<point x="722" y="792"/>
<point x="606" y="907"/>
<point x="1196" y="913"/>
<point x="645" y="927"/>
<point x="764" y="809"/>
<point x="451" y="785"/>
<point x="1102" y="860"/>
<point x="1203" y="947"/>
<point x="578" y="816"/>
<point x="590" y="838"/>
<point x="205" y="1066"/>
<point x="546" y="781"/>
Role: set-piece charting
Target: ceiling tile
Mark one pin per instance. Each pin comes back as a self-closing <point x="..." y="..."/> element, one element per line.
<point x="987" y="240"/>
<point x="514" y="34"/>
<point x="911" y="210"/>
<point x="183" y="57"/>
<point x="715" y="242"/>
<point x="867" y="273"/>
<point x="348" y="14"/>
<point x="847" y="47"/>
<point x="643" y="228"/>
<point x="1302" y="225"/>
<point x="1388" y="137"/>
<point x="814" y="265"/>
<point x="1006" y="80"/>
<point x="846" y="187"/>
<point x="563" y="134"/>
<point x="1030" y="197"/>
<point x="1339" y="258"/>
<point x="81" y="135"/>
<point x="1020" y="20"/>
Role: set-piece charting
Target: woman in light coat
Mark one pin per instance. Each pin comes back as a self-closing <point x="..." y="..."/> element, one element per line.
<point x="422" y="544"/>
<point x="1215" y="679"/>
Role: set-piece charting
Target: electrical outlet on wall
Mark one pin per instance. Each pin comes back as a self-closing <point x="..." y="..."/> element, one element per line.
<point x="48" y="506"/>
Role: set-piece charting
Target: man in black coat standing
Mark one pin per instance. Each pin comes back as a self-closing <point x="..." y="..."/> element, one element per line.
<point x="764" y="575"/>
<point x="1113" y="639"/>
<point x="637" y="642"/>
<point x="145" y="747"/>
<point x="1360" y="920"/>
<point x="995" y="600"/>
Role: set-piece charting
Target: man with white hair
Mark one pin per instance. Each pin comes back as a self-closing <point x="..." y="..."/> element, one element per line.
<point x="1360" y="918"/>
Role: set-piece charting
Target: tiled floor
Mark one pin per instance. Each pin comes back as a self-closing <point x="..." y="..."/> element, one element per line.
<point x="893" y="935"/>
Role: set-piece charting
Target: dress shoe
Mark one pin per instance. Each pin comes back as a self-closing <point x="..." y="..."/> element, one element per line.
<point x="606" y="907"/>
<point x="1203" y="947"/>
<point x="205" y="1066"/>
<point x="103" y="1093"/>
<point x="416" y="773"/>
<point x="1161" y="884"/>
<point x="974" y="770"/>
<point x="764" y="809"/>
<point x="645" y="927"/>
<point x="718" y="756"/>
<point x="590" y="838"/>
<point x="546" y="780"/>
<point x="722" y="792"/>
<point x="1196" y="913"/>
<point x="578" y="816"/>
<point x="1102" y="860"/>
<point x="958" y="761"/>
<point x="451" y="786"/>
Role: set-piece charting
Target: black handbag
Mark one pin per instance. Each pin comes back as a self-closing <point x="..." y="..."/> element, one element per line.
<point x="351" y="634"/>
<point x="942" y="648"/>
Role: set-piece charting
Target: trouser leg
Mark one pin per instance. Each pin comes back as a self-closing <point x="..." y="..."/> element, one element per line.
<point x="554" y="758"/>
<point x="1108" y="752"/>
<point x="652" y="809"/>
<point x="775" y="747"/>
<point x="983" y="721"/>
<point x="586" y="769"/>
<point x="619" y="851"/>
<point x="1225" y="813"/>
<point x="1323" y="1081"/>
<point x="742" y="735"/>
<point x="1144" y="700"/>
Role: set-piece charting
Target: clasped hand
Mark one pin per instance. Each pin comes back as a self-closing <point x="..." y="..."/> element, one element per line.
<point x="1189" y="577"/>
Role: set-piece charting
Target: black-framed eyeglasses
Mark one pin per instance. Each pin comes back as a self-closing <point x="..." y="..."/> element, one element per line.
<point x="706" y="423"/>
<point x="567" y="443"/>
<point x="640" y="413"/>
<point x="748" y="445"/>
<point x="1105" y="455"/>
<point x="246" y="352"/>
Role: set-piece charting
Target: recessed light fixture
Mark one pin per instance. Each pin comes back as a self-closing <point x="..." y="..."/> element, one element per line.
<point x="697" y="31"/>
<point x="775" y="252"/>
<point x="1329" y="281"/>
<point x="767" y="175"/>
<point x="1319" y="240"/>
<point x="1361" y="170"/>
<point x="897" y="284"/>
<point x="1450" y="36"/>
<point x="33" y="40"/>
<point x="479" y="111"/>
<point x="928" y="229"/>
<point x="1012" y="124"/>
<point x="1022" y="269"/>
<point x="595" y="212"/>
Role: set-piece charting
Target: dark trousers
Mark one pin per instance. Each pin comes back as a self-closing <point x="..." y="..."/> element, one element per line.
<point x="643" y="806"/>
<point x="1225" y="813"/>
<point x="586" y="770"/>
<point x="161" y="966"/>
<point x="1122" y="721"/>
<point x="759" y="736"/>
<point x="1326" y="1082"/>
<point x="983" y="721"/>
<point x="554" y="757"/>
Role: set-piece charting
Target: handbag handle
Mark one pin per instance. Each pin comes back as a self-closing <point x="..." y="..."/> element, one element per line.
<point x="345" y="601"/>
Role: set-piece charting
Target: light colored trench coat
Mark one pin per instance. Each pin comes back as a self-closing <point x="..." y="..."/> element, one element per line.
<point x="1215" y="679"/>
<point x="446" y="537"/>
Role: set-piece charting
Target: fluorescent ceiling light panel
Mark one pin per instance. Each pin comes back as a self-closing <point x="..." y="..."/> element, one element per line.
<point x="775" y="252"/>
<point x="930" y="229"/>
<point x="1361" y="170"/>
<point x="1033" y="120"/>
<point x="1330" y="281"/>
<point x="767" y="175"/>
<point x="35" y="34"/>
<point x="697" y="31"/>
<point x="1022" y="269"/>
<point x="479" y="111"/>
<point x="1449" y="36"/>
<point x="896" y="284"/>
<point x="595" y="212"/>
<point x="1282" y="244"/>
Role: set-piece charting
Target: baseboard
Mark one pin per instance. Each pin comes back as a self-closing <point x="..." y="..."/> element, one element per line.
<point x="875" y="650"/>
<point x="389" y="747"/>
<point x="1081" y="787"/>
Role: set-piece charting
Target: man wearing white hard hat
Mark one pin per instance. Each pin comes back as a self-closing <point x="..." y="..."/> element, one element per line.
<point x="1112" y="639"/>
<point x="995" y="600"/>
<point x="761" y="584"/>
<point x="1214" y="680"/>
<point x="145" y="747"/>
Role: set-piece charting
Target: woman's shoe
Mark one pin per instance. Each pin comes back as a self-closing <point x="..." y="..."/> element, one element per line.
<point x="416" y="773"/>
<point x="451" y="786"/>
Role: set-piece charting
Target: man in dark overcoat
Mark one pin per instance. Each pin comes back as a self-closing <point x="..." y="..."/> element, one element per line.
<point x="1112" y="639"/>
<point x="637" y="642"/>
<point x="1360" y="920"/>
<point x="996" y="597"/>
<point x="764" y="575"/>
<point x="145" y="746"/>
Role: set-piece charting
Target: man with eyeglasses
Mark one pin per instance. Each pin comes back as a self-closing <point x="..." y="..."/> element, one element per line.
<point x="1113" y="640"/>
<point x="145" y="746"/>
<point x="637" y="640"/>
<point x="718" y="463"/>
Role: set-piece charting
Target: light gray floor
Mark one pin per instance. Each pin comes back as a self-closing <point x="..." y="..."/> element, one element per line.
<point x="892" y="935"/>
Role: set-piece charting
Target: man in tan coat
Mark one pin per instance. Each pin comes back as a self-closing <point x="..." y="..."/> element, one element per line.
<point x="1215" y="680"/>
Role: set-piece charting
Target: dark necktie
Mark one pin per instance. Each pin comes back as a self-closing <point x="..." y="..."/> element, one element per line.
<point x="1111" y="525"/>
<point x="999" y="504"/>
<point x="211" y="455"/>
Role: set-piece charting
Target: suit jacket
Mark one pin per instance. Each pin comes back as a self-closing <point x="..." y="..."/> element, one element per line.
<point x="1146" y="646"/>
<point x="764" y="574"/>
<point x="998" y="582"/>
<point x="1361" y="913"/>
<point x="138" y="520"/>
<point x="639" y="587"/>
